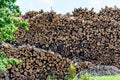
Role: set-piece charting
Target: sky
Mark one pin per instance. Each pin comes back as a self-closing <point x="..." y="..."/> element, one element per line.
<point x="64" y="6"/>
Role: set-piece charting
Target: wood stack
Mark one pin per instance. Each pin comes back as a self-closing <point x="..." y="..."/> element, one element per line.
<point x="84" y="34"/>
<point x="36" y="63"/>
<point x="111" y="12"/>
<point x="75" y="35"/>
<point x="84" y="13"/>
<point x="31" y="14"/>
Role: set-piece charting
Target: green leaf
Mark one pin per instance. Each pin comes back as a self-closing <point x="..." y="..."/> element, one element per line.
<point x="1" y="20"/>
<point x="72" y="70"/>
<point x="14" y="61"/>
<point x="2" y="67"/>
<point x="5" y="62"/>
<point x="2" y="55"/>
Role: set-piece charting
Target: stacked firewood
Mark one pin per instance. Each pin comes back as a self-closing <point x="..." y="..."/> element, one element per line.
<point x="84" y="13"/>
<point x="36" y="64"/>
<point x="86" y="35"/>
<point x="111" y="12"/>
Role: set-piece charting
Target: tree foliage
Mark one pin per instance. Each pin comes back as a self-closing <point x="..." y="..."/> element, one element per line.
<point x="9" y="23"/>
<point x="4" y="62"/>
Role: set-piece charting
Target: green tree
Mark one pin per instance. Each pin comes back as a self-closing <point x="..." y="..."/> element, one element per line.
<point x="9" y="22"/>
<point x="8" y="19"/>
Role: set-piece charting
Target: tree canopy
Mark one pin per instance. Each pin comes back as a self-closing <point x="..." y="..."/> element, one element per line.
<point x="8" y="19"/>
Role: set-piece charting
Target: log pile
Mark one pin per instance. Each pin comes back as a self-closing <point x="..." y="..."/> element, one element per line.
<point x="111" y="12"/>
<point x="83" y="34"/>
<point x="37" y="64"/>
<point x="84" y="13"/>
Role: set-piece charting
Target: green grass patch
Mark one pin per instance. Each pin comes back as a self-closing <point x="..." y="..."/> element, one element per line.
<point x="106" y="77"/>
<point x="73" y="76"/>
<point x="116" y="77"/>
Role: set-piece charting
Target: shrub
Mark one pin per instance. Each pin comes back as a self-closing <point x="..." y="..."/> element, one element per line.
<point x="9" y="13"/>
<point x="4" y="62"/>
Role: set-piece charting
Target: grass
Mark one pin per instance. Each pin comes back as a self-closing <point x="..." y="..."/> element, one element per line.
<point x="87" y="77"/>
<point x="117" y="77"/>
<point x="73" y="76"/>
<point x="107" y="77"/>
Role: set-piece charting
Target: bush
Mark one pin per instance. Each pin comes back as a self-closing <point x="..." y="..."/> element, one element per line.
<point x="9" y="13"/>
<point x="4" y="62"/>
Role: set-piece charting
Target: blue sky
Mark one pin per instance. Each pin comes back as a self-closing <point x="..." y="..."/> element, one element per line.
<point x="64" y="6"/>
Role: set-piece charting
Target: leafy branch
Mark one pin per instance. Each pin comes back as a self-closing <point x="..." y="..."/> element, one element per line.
<point x="9" y="23"/>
